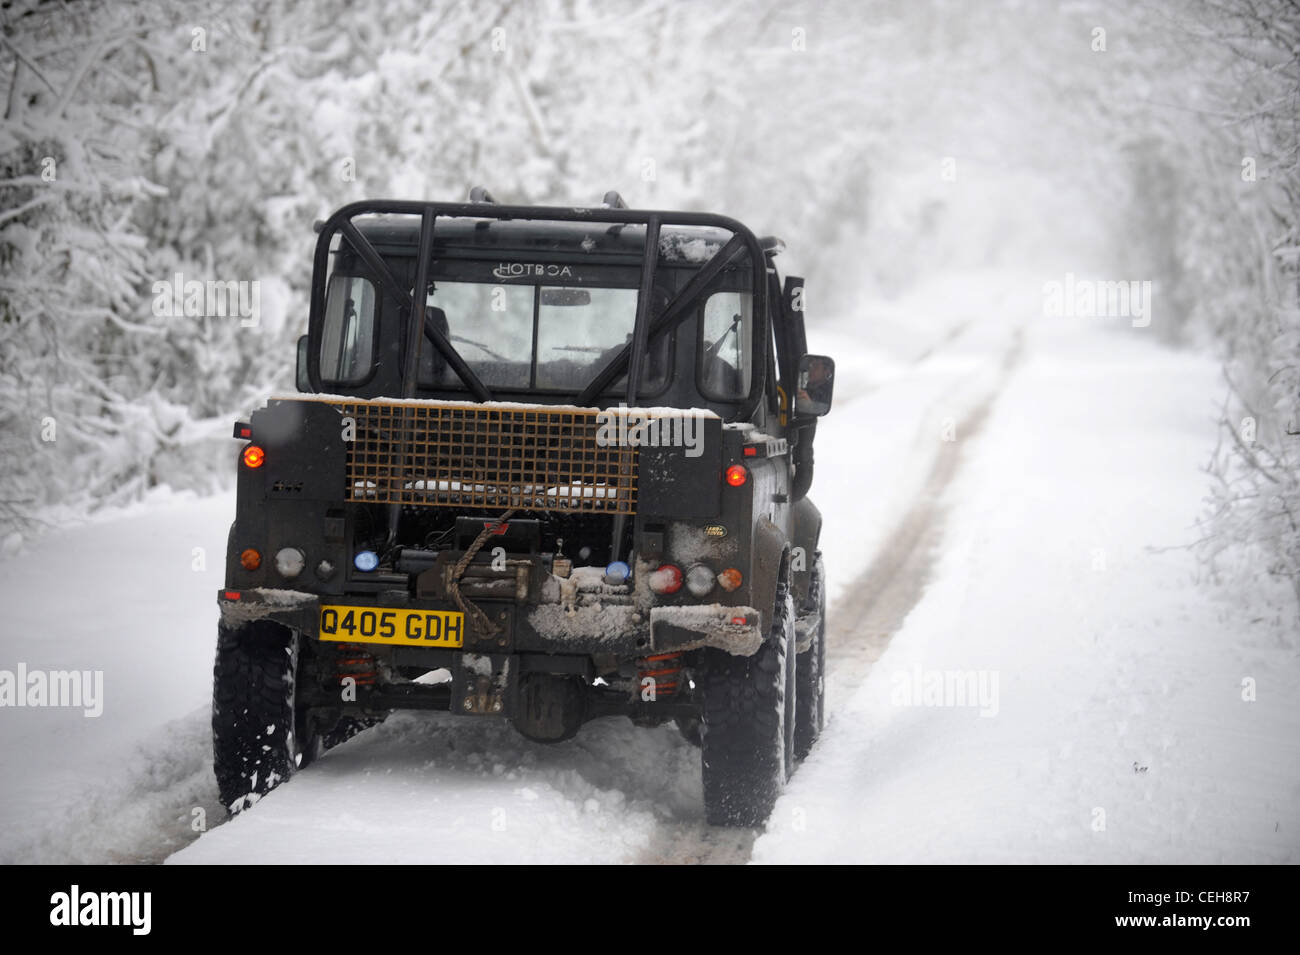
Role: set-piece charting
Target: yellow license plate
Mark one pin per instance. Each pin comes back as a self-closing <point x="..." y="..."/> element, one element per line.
<point x="408" y="628"/>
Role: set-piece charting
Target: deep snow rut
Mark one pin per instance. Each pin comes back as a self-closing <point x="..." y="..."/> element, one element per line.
<point x="862" y="621"/>
<point x="875" y="604"/>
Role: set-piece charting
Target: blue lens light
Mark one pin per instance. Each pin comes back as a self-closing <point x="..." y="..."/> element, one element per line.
<point x="366" y="560"/>
<point x="617" y="572"/>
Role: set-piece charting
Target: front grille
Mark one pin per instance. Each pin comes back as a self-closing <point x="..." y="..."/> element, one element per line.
<point x="474" y="456"/>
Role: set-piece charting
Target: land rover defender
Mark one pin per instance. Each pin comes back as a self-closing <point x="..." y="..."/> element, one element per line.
<point x="544" y="464"/>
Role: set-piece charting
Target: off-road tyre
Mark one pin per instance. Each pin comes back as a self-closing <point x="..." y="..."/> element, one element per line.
<point x="259" y="738"/>
<point x="747" y="731"/>
<point x="810" y="669"/>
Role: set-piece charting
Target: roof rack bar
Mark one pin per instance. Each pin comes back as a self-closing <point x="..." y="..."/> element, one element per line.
<point x="414" y="339"/>
<point x="613" y="200"/>
<point x="480" y="194"/>
<point x="549" y="213"/>
<point x="419" y="303"/>
<point x="641" y="327"/>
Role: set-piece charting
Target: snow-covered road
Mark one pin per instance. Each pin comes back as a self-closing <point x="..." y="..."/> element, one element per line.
<point x="131" y="595"/>
<point x="944" y="471"/>
<point x="1114" y="709"/>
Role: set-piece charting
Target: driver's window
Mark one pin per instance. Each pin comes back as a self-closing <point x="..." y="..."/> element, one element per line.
<point x="726" y="344"/>
<point x="348" y="343"/>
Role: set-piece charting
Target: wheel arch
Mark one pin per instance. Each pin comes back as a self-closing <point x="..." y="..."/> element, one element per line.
<point x="805" y="533"/>
<point x="771" y="566"/>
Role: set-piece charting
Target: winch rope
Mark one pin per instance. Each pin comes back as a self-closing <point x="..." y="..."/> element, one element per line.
<point x="468" y="607"/>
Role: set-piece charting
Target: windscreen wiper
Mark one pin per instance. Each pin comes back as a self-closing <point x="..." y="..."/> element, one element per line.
<point x="712" y="350"/>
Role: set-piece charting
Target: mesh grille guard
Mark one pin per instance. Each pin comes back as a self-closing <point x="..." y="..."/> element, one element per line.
<point x="491" y="457"/>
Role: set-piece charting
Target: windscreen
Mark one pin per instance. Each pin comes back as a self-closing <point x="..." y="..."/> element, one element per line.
<point x="535" y="336"/>
<point x="533" y="306"/>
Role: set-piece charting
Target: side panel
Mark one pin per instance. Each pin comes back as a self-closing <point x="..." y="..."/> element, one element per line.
<point x="294" y="499"/>
<point x="683" y="481"/>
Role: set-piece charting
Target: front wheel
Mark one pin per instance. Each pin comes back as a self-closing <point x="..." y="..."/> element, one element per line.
<point x="747" y="727"/>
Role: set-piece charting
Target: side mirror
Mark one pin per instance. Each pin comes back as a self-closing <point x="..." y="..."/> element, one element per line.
<point x="304" y="383"/>
<point x="816" y="382"/>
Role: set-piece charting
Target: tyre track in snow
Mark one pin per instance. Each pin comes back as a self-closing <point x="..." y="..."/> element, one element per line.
<point x="874" y="606"/>
<point x="862" y="621"/>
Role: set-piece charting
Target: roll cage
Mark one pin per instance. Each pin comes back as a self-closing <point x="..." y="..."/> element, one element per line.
<point x="629" y="361"/>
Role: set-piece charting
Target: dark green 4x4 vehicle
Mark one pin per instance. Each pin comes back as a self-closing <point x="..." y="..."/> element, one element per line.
<point x="566" y="480"/>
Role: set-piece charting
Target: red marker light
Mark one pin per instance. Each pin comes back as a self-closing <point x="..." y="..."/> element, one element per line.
<point x="666" y="580"/>
<point x="737" y="475"/>
<point x="254" y="456"/>
<point x="232" y="595"/>
<point x="751" y="451"/>
<point x="738" y="620"/>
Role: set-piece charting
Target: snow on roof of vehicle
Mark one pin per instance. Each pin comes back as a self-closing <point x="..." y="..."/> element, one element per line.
<point x="654" y="411"/>
<point x="678" y="245"/>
